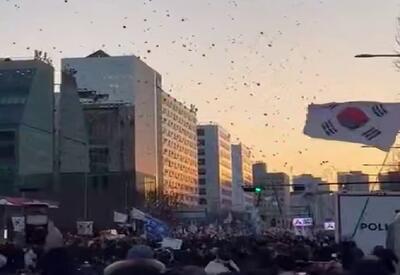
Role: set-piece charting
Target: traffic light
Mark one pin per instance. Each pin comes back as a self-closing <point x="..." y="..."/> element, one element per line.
<point x="253" y="189"/>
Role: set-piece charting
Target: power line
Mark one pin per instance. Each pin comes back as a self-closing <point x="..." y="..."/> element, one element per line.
<point x="330" y="183"/>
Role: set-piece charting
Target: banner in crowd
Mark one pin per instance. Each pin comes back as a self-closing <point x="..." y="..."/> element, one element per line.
<point x="136" y="214"/>
<point x="85" y="228"/>
<point x="18" y="224"/>
<point x="155" y="229"/>
<point x="302" y="222"/>
<point x="37" y="219"/>
<point x="329" y="226"/>
<point x="120" y="217"/>
<point x="172" y="243"/>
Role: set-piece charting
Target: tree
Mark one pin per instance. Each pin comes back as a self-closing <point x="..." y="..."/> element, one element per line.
<point x="162" y="205"/>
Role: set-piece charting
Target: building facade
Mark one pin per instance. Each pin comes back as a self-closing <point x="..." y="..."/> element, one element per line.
<point x="95" y="158"/>
<point x="164" y="129"/>
<point x="274" y="201"/>
<point x="390" y="181"/>
<point x="242" y="175"/>
<point x="179" y="151"/>
<point x="310" y="198"/>
<point x="72" y="141"/>
<point x="353" y="177"/>
<point x="26" y="125"/>
<point x="214" y="168"/>
<point x="104" y="79"/>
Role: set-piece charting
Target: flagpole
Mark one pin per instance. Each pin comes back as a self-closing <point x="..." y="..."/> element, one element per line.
<point x="368" y="55"/>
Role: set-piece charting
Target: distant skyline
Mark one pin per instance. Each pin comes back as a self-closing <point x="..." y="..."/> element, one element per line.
<point x="252" y="66"/>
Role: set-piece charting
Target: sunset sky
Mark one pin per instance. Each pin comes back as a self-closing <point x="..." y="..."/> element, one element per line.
<point x="253" y="66"/>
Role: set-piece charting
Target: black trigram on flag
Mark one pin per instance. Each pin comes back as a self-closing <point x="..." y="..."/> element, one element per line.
<point x="371" y="133"/>
<point x="332" y="105"/>
<point x="379" y="110"/>
<point x="329" y="128"/>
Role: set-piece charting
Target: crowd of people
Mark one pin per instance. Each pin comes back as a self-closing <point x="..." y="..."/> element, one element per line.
<point x="269" y="254"/>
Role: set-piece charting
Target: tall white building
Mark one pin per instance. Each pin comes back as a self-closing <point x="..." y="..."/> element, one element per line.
<point x="353" y="177"/>
<point x="242" y="175"/>
<point x="179" y="145"/>
<point x="164" y="129"/>
<point x="215" y="168"/>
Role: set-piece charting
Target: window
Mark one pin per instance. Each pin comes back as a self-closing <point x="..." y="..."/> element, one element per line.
<point x="98" y="159"/>
<point x="202" y="171"/>
<point x="105" y="182"/>
<point x="226" y="192"/>
<point x="200" y="132"/>
<point x="202" y="201"/>
<point x="202" y="181"/>
<point x="94" y="182"/>
<point x="202" y="191"/>
<point x="201" y="161"/>
<point x="7" y="136"/>
<point x="201" y="142"/>
<point x="7" y="151"/>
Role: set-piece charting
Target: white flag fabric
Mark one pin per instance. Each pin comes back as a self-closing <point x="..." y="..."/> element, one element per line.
<point x="85" y="228"/>
<point x="371" y="123"/>
<point x="120" y="217"/>
<point x="136" y="214"/>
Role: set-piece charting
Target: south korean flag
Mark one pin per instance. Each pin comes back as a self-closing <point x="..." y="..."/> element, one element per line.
<point x="370" y="123"/>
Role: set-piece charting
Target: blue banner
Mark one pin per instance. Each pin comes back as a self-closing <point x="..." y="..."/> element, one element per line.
<point x="155" y="229"/>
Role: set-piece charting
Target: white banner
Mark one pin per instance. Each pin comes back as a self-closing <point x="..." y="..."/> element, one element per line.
<point x="120" y="217"/>
<point x="18" y="224"/>
<point x="329" y="226"/>
<point x="85" y="228"/>
<point x="302" y="222"/>
<point x="175" y="244"/>
<point x="37" y="219"/>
